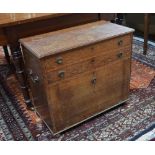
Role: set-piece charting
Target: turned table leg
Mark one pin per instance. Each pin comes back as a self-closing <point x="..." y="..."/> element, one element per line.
<point x="19" y="66"/>
<point x="7" y="56"/>
<point x="119" y="18"/>
<point x="146" y="32"/>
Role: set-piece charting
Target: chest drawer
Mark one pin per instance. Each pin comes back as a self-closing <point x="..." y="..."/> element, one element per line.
<point x="121" y="41"/>
<point x="90" y="64"/>
<point x="77" y="55"/>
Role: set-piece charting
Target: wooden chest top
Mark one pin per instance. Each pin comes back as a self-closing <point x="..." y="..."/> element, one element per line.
<point x="71" y="38"/>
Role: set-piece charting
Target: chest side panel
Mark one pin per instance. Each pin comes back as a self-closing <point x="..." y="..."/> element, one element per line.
<point x="33" y="69"/>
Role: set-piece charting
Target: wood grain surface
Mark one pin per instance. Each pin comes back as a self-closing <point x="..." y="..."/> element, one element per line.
<point x="10" y="19"/>
<point x="95" y="71"/>
<point x="75" y="37"/>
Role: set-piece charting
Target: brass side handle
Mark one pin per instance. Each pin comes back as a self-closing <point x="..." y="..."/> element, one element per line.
<point x="120" y="42"/>
<point x="29" y="72"/>
<point x="59" y="60"/>
<point x="34" y="78"/>
<point x="61" y="74"/>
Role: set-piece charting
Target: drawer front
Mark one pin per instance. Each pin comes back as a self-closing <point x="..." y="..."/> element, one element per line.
<point x="74" y="56"/>
<point x="90" y="64"/>
<point x="121" y="41"/>
<point x="77" y="55"/>
<point x="74" y="100"/>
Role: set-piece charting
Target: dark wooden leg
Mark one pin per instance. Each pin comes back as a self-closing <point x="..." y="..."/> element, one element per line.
<point x="19" y="66"/>
<point x="146" y="32"/>
<point x="7" y="56"/>
<point x="99" y="16"/>
<point x="119" y="19"/>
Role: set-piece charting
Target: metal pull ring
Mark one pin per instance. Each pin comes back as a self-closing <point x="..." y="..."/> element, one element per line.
<point x="33" y="77"/>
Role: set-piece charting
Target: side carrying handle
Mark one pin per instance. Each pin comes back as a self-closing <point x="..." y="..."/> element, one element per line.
<point x="34" y="78"/>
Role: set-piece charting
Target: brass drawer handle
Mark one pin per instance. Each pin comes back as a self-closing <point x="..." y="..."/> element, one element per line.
<point x="120" y="55"/>
<point x="61" y="74"/>
<point x="120" y="42"/>
<point x="59" y="60"/>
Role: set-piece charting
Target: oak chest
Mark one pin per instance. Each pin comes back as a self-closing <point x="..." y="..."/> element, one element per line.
<point x="78" y="72"/>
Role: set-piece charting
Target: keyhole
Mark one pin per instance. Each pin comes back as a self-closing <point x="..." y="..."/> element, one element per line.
<point x="93" y="81"/>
